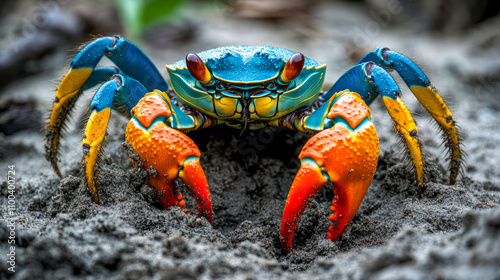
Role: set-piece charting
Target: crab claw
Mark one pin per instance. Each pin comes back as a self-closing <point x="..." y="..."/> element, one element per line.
<point x="167" y="154"/>
<point x="346" y="155"/>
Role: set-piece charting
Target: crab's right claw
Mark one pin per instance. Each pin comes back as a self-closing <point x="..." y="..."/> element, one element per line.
<point x="167" y="154"/>
<point x="345" y="154"/>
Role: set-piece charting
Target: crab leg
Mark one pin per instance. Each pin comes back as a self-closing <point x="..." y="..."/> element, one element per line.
<point x="82" y="75"/>
<point x="428" y="96"/>
<point x="167" y="154"/>
<point x="120" y="93"/>
<point x="346" y="155"/>
<point x="66" y="97"/>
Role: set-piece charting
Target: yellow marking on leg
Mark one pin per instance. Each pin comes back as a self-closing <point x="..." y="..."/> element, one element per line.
<point x="67" y="90"/>
<point x="405" y="125"/>
<point x="434" y="104"/>
<point x="92" y="143"/>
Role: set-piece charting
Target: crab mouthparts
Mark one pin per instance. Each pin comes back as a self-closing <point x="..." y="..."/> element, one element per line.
<point x="245" y="97"/>
<point x="245" y="114"/>
<point x="239" y="94"/>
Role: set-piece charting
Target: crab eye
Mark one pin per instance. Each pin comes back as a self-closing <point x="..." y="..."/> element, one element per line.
<point x="220" y="86"/>
<point x="271" y="85"/>
<point x="198" y="69"/>
<point x="292" y="68"/>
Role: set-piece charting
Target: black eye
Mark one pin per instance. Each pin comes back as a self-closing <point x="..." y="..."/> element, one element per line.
<point x="219" y="86"/>
<point x="271" y="85"/>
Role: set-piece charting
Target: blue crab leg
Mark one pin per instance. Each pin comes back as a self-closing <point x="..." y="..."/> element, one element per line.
<point x="120" y="91"/>
<point x="370" y="80"/>
<point x="124" y="54"/>
<point x="82" y="75"/>
<point x="428" y="96"/>
<point x="62" y="109"/>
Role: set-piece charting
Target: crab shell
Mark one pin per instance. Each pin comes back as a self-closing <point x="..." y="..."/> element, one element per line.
<point x="250" y="75"/>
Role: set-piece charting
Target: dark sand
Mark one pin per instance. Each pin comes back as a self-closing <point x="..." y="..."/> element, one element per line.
<point x="448" y="232"/>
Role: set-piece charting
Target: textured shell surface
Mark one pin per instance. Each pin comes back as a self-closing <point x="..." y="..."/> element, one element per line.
<point x="245" y="64"/>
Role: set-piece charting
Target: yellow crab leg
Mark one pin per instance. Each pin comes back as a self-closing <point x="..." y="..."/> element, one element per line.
<point x="66" y="95"/>
<point x="435" y="105"/>
<point x="84" y="75"/>
<point x="68" y="89"/>
<point x="405" y="125"/>
<point x="428" y="96"/>
<point x="92" y="143"/>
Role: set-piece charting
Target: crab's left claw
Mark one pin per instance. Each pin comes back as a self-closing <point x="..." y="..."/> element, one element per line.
<point x="167" y="154"/>
<point x="346" y="155"/>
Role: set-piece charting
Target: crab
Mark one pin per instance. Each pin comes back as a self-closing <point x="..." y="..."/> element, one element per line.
<point x="249" y="87"/>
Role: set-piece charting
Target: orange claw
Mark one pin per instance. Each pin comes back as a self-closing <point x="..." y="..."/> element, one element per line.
<point x="345" y="156"/>
<point x="168" y="154"/>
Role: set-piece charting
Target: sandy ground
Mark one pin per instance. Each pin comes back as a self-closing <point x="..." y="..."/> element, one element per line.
<point x="448" y="232"/>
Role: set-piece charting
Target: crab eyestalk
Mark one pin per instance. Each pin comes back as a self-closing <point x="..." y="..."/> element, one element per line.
<point x="292" y="68"/>
<point x="198" y="69"/>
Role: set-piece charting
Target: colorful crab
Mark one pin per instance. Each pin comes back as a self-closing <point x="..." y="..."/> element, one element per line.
<point x="249" y="87"/>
